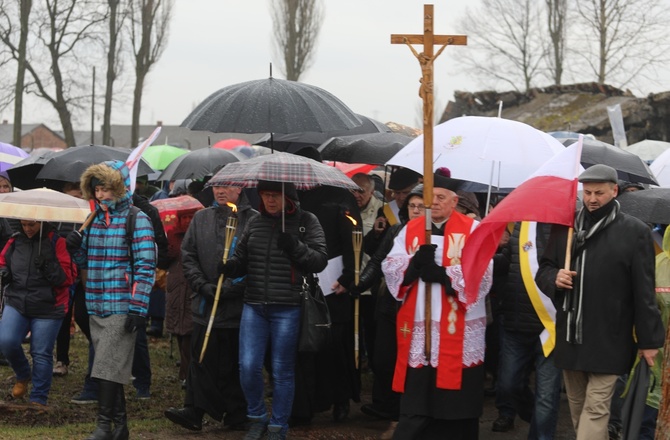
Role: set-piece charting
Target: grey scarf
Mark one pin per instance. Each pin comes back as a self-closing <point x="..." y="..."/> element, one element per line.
<point x="572" y="304"/>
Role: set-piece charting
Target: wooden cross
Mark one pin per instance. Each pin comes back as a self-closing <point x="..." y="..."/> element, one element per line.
<point x="405" y="330"/>
<point x="426" y="60"/>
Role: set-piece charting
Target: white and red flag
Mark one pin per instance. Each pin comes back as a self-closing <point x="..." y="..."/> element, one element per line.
<point x="136" y="155"/>
<point x="547" y="196"/>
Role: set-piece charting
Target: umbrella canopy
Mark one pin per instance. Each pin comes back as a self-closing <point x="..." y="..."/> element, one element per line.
<point x="648" y="149"/>
<point x="43" y="205"/>
<point x="160" y="156"/>
<point x="198" y="164"/>
<point x="649" y="205"/>
<point x="629" y="166"/>
<point x="229" y="144"/>
<point x="372" y="148"/>
<point x="69" y="164"/>
<point x="304" y="173"/>
<point x="271" y="106"/>
<point x="351" y="168"/>
<point x="486" y="150"/>
<point x="660" y="167"/>
<point x="10" y="155"/>
<point x="176" y="213"/>
<point x="23" y="174"/>
<point x="292" y="142"/>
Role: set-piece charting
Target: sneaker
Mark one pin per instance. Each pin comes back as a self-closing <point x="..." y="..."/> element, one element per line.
<point x="276" y="432"/>
<point x="503" y="424"/>
<point x="60" y="369"/>
<point x="143" y="394"/>
<point x="85" y="398"/>
<point x="20" y="388"/>
<point x="257" y="428"/>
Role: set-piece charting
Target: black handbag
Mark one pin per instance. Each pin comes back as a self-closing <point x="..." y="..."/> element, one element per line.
<point x="315" y="318"/>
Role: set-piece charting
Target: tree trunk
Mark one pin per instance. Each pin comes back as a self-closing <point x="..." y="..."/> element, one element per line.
<point x="111" y="72"/>
<point x="26" y="6"/>
<point x="137" y="108"/>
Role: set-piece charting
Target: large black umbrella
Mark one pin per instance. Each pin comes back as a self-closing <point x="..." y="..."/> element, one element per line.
<point x="292" y="142"/>
<point x="271" y="106"/>
<point x="199" y="163"/>
<point x="649" y="205"/>
<point x="52" y="169"/>
<point x="632" y="412"/>
<point x="629" y="166"/>
<point x="372" y="148"/>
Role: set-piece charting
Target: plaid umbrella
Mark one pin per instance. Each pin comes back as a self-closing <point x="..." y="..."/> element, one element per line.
<point x="303" y="172"/>
<point x="45" y="205"/>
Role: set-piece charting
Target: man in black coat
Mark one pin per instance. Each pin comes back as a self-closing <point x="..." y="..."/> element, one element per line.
<point x="606" y="308"/>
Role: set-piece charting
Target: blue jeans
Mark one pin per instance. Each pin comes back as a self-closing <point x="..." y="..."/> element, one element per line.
<point x="277" y="325"/>
<point x="13" y="328"/>
<point x="517" y="354"/>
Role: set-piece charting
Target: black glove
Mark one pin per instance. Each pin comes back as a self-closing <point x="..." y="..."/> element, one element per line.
<point x="354" y="290"/>
<point x="41" y="262"/>
<point x="208" y="291"/>
<point x="432" y="273"/>
<point x="286" y="242"/>
<point x="229" y="268"/>
<point x="424" y="256"/>
<point x="6" y="275"/>
<point x="134" y="322"/>
<point x="73" y="241"/>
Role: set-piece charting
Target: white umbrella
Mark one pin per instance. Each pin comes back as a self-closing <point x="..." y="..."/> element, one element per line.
<point x="648" y="149"/>
<point x="493" y="151"/>
<point x="661" y="169"/>
<point x="43" y="205"/>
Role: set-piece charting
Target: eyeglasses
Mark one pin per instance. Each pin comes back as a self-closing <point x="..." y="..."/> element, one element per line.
<point x="412" y="207"/>
<point x="270" y="195"/>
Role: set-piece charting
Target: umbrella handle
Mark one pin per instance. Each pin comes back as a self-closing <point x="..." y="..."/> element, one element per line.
<point x="88" y="222"/>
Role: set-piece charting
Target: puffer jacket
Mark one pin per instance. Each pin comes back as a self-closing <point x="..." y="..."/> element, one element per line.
<point x="273" y="277"/>
<point x="32" y="293"/>
<point x="518" y="312"/>
<point x="112" y="285"/>
<point x="201" y="252"/>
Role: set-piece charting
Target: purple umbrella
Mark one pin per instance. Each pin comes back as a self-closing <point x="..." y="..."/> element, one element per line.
<point x="9" y="155"/>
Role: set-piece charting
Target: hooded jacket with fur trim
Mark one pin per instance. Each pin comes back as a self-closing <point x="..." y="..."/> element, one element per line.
<point x="112" y="285"/>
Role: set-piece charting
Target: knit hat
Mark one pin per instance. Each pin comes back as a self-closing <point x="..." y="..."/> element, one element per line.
<point x="289" y="188"/>
<point x="598" y="173"/>
<point x="468" y="201"/>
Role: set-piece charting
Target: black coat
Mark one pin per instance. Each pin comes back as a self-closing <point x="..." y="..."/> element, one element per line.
<point x="201" y="252"/>
<point x="274" y="276"/>
<point x="618" y="294"/>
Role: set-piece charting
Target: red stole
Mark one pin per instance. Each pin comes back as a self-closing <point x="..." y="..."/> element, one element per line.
<point x="450" y="368"/>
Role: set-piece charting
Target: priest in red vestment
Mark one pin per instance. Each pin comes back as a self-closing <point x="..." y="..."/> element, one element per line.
<point x="442" y="396"/>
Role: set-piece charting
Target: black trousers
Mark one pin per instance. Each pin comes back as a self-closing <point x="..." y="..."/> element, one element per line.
<point x="214" y="385"/>
<point x="415" y="427"/>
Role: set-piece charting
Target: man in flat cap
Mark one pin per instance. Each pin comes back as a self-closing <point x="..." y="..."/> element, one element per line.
<point x="606" y="309"/>
<point x="443" y="392"/>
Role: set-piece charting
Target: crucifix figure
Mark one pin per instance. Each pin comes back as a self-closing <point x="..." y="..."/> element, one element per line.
<point x="426" y="60"/>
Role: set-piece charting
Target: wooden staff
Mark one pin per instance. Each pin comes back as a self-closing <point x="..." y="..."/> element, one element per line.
<point x="568" y="249"/>
<point x="357" y="241"/>
<point x="231" y="227"/>
<point x="426" y="59"/>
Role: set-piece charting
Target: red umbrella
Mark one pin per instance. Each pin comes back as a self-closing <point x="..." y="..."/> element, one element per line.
<point x="229" y="144"/>
<point x="176" y="214"/>
<point x="351" y="168"/>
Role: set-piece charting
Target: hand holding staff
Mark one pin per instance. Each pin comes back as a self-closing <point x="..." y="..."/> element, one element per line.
<point x="231" y="227"/>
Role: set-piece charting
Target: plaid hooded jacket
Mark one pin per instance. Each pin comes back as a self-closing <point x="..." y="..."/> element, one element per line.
<point x="112" y="285"/>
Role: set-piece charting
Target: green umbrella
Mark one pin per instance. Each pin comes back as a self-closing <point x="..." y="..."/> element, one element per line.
<point x="160" y="156"/>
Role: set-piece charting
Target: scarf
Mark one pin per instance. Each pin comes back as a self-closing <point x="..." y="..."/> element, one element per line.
<point x="587" y="224"/>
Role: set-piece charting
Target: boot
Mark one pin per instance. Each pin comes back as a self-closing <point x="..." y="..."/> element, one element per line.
<point x="120" y="417"/>
<point x="106" y="404"/>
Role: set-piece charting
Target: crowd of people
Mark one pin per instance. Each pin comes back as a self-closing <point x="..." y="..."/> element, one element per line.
<point x="430" y="349"/>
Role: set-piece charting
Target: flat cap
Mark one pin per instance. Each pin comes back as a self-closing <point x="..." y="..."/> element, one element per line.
<point x="599" y="173"/>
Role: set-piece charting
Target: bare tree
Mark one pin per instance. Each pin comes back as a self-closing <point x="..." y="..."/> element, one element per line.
<point x="8" y="33"/>
<point x="60" y="56"/>
<point x="296" y="25"/>
<point x="117" y="14"/>
<point x="505" y="42"/>
<point x="557" y="14"/>
<point x="149" y="25"/>
<point x="623" y="40"/>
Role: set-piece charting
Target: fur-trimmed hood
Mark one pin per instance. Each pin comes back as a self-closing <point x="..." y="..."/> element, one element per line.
<point x="115" y="176"/>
